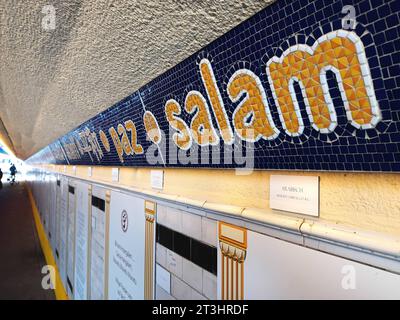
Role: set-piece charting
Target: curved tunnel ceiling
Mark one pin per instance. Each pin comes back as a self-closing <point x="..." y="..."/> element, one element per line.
<point x="99" y="52"/>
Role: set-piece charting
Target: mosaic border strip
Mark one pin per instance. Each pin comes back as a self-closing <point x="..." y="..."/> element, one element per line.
<point x="289" y="88"/>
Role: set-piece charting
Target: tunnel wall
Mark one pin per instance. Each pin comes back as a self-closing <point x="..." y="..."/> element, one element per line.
<point x="285" y="96"/>
<point x="315" y="95"/>
<point x="348" y="150"/>
<point x="113" y="242"/>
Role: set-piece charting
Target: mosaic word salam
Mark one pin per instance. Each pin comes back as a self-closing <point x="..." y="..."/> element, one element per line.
<point x="341" y="52"/>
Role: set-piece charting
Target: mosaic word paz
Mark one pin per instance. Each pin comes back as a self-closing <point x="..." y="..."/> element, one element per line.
<point x="341" y="52"/>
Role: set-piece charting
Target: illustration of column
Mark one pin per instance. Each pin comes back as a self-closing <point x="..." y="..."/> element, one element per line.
<point x="150" y="210"/>
<point x="233" y="245"/>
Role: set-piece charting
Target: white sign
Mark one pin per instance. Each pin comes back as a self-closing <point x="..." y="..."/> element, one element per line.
<point x="70" y="241"/>
<point x="98" y="245"/>
<point x="127" y="247"/>
<point x="81" y="241"/>
<point x="298" y="194"/>
<point x="89" y="171"/>
<point x="63" y="230"/>
<point x="53" y="213"/>
<point x="115" y="174"/>
<point x="157" y="179"/>
<point x="46" y="202"/>
<point x="276" y="269"/>
<point x="163" y="278"/>
<point x="57" y="247"/>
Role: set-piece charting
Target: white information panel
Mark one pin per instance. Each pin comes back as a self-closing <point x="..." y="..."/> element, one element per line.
<point x="115" y="174"/>
<point x="63" y="230"/>
<point x="81" y="241"/>
<point x="39" y="195"/>
<point x="298" y="194"/>
<point x="127" y="247"/>
<point x="98" y="240"/>
<point x="71" y="241"/>
<point x="41" y="202"/>
<point x="53" y="212"/>
<point x="157" y="179"/>
<point x="276" y="269"/>
<point x="46" y="201"/>
<point x="57" y="222"/>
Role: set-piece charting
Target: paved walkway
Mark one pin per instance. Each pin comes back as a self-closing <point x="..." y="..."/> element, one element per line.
<point x="21" y="258"/>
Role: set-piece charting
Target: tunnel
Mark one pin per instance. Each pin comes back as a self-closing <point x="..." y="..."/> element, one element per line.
<point x="200" y="150"/>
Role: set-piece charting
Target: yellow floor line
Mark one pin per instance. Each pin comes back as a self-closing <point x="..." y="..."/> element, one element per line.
<point x="59" y="289"/>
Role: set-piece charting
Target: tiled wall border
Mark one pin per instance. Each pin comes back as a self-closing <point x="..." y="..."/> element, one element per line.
<point x="346" y="145"/>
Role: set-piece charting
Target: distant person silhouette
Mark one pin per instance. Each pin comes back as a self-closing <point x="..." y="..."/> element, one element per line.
<point x="1" y="177"/>
<point x="13" y="171"/>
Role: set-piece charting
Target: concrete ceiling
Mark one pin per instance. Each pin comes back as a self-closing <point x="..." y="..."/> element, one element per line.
<point x="99" y="52"/>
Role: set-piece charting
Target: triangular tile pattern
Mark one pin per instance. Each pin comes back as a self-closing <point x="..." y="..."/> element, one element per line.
<point x="306" y="65"/>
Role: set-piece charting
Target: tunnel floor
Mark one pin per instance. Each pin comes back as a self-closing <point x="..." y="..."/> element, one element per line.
<point x="21" y="257"/>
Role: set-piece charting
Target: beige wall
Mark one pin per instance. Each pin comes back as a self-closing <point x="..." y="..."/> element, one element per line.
<point x="364" y="200"/>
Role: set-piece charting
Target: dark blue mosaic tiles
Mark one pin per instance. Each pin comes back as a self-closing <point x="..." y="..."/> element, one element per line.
<point x="350" y="133"/>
